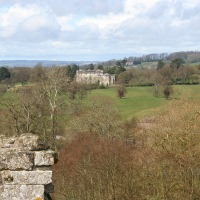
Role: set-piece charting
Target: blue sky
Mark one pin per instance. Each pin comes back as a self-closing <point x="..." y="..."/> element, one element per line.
<point x="96" y="29"/>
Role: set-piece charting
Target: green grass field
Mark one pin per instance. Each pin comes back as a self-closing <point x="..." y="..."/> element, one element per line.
<point x="140" y="101"/>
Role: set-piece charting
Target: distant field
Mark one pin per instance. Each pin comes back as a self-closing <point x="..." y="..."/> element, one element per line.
<point x="194" y="64"/>
<point x="140" y="102"/>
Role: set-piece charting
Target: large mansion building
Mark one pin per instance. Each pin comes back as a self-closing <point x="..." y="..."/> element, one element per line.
<point x="94" y="76"/>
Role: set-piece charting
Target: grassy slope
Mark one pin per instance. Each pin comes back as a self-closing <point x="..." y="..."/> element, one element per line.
<point x="140" y="102"/>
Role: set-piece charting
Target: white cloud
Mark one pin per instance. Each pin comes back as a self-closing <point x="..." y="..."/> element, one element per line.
<point x="139" y="6"/>
<point x="25" y="22"/>
<point x="86" y="7"/>
<point x="17" y="14"/>
<point x="190" y="4"/>
<point x="38" y="22"/>
<point x="7" y="32"/>
<point x="65" y="22"/>
<point x="103" y="21"/>
<point x="178" y="23"/>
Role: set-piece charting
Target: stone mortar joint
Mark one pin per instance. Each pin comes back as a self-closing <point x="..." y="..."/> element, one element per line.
<point x="25" y="168"/>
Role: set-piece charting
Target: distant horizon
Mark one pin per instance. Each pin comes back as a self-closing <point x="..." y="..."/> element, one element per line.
<point x="48" y="60"/>
<point x="32" y="63"/>
<point x="99" y="58"/>
<point x="91" y="60"/>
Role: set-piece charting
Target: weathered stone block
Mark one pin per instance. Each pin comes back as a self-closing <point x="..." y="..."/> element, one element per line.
<point x="25" y="168"/>
<point x="7" y="142"/>
<point x="26" y="177"/>
<point x="44" y="158"/>
<point x="22" y="192"/>
<point x="30" y="142"/>
<point x="14" y="160"/>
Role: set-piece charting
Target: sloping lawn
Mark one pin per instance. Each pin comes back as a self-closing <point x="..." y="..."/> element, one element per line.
<point x="140" y="101"/>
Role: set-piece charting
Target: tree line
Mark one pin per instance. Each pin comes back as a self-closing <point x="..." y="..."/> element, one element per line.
<point x="22" y="75"/>
<point x="187" y="56"/>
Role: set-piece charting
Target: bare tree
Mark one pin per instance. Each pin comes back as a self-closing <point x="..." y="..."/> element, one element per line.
<point x="53" y="82"/>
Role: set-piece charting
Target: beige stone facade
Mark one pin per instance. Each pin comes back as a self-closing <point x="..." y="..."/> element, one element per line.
<point x="94" y="76"/>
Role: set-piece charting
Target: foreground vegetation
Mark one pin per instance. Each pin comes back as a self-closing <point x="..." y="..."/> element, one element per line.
<point x="161" y="163"/>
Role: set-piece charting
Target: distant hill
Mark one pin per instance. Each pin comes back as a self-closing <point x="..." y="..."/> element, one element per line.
<point x="46" y="63"/>
<point x="187" y="56"/>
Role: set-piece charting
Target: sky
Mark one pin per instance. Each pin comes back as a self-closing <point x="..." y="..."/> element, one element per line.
<point x="96" y="30"/>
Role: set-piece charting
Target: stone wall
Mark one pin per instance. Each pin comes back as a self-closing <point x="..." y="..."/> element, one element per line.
<point x="25" y="168"/>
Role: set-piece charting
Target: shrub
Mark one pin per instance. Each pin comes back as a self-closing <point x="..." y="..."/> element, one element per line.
<point x="3" y="89"/>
